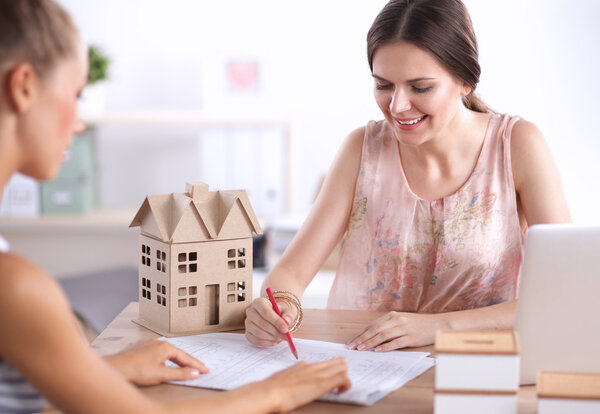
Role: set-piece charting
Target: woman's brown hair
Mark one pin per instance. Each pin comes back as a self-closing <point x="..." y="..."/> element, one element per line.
<point x="442" y="27"/>
<point x="36" y="31"/>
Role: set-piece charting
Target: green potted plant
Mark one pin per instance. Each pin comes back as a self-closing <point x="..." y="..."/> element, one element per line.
<point x="93" y="99"/>
<point x="99" y="63"/>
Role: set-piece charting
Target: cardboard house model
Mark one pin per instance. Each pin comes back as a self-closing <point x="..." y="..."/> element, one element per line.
<point x="195" y="260"/>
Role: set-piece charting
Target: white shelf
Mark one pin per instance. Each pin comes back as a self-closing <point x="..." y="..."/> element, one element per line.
<point x="226" y="148"/>
<point x="179" y="117"/>
<point x="99" y="220"/>
<point x="73" y="245"/>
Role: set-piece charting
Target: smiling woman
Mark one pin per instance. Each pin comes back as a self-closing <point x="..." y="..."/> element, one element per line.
<point x="433" y="202"/>
<point x="414" y="91"/>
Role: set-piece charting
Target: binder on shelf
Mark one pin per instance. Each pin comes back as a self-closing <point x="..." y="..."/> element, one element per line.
<point x="73" y="190"/>
<point x="21" y="197"/>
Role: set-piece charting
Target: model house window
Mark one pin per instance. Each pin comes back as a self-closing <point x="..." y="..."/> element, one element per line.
<point x="236" y="292"/>
<point x="188" y="262"/>
<point x="161" y="261"/>
<point x="236" y="258"/>
<point x="146" y="286"/>
<point x="187" y="296"/>
<point x="161" y="291"/>
<point x="146" y="255"/>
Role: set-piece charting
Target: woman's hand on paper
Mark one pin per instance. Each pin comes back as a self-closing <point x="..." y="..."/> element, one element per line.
<point x="263" y="326"/>
<point x="144" y="364"/>
<point x="304" y="382"/>
<point x="397" y="330"/>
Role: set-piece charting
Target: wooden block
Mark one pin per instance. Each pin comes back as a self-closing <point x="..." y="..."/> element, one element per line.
<point x="477" y="342"/>
<point x="477" y="361"/>
<point x="575" y="393"/>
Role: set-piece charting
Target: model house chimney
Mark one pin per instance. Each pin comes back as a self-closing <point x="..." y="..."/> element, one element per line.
<point x="198" y="191"/>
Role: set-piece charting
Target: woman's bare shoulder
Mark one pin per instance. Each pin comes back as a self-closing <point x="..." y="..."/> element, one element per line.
<point x="526" y="136"/>
<point x="347" y="160"/>
<point x="18" y="273"/>
<point x="528" y="148"/>
<point x="25" y="290"/>
<point x="356" y="137"/>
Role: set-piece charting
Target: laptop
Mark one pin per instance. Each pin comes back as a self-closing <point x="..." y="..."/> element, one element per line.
<point x="558" y="311"/>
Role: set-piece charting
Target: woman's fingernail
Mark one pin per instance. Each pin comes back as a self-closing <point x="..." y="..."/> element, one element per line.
<point x="351" y="345"/>
<point x="194" y="373"/>
<point x="378" y="349"/>
<point x="361" y="347"/>
<point x="287" y="319"/>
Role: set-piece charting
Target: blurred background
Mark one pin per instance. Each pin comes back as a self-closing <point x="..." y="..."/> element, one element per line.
<point x="303" y="64"/>
<point x="260" y="94"/>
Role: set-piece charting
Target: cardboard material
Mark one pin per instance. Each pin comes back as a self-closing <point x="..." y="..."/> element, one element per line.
<point x="195" y="265"/>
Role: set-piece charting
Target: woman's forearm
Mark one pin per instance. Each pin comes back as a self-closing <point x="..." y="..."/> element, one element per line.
<point x="258" y="397"/>
<point x="283" y="277"/>
<point x="500" y="316"/>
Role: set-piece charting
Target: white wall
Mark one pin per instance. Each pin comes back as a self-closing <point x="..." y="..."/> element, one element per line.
<point x="539" y="60"/>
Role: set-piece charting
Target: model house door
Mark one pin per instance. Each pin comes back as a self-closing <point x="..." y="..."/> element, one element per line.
<point x="211" y="300"/>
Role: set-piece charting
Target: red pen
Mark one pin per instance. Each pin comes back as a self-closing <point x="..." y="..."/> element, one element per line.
<point x="276" y="309"/>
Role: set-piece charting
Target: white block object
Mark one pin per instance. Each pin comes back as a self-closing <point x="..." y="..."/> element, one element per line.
<point x="477" y="372"/>
<point x="477" y="361"/>
<point x="454" y="403"/>
<point x="563" y="392"/>
<point x="562" y="406"/>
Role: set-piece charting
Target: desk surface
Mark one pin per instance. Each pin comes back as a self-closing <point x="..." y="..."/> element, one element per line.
<point x="327" y="325"/>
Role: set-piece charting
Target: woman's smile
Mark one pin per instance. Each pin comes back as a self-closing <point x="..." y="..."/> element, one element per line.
<point x="408" y="124"/>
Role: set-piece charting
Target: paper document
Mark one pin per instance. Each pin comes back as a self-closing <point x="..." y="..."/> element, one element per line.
<point x="234" y="362"/>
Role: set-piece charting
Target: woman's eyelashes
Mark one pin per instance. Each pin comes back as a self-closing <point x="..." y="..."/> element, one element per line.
<point x="421" y="90"/>
<point x="383" y="87"/>
<point x="387" y="86"/>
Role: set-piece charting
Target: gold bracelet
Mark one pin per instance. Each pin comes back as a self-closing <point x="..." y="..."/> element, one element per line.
<point x="291" y="299"/>
<point x="299" y="316"/>
<point x="286" y="293"/>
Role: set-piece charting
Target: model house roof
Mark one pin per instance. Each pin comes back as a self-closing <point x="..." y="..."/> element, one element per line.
<point x="197" y="215"/>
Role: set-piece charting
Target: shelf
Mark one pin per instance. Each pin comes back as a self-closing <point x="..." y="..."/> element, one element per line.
<point x="107" y="220"/>
<point x="263" y="153"/>
<point x="179" y="118"/>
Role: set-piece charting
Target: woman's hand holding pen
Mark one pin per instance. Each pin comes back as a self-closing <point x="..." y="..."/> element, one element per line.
<point x="302" y="382"/>
<point x="263" y="326"/>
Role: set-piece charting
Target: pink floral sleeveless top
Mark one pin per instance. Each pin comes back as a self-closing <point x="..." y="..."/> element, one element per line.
<point x="407" y="254"/>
